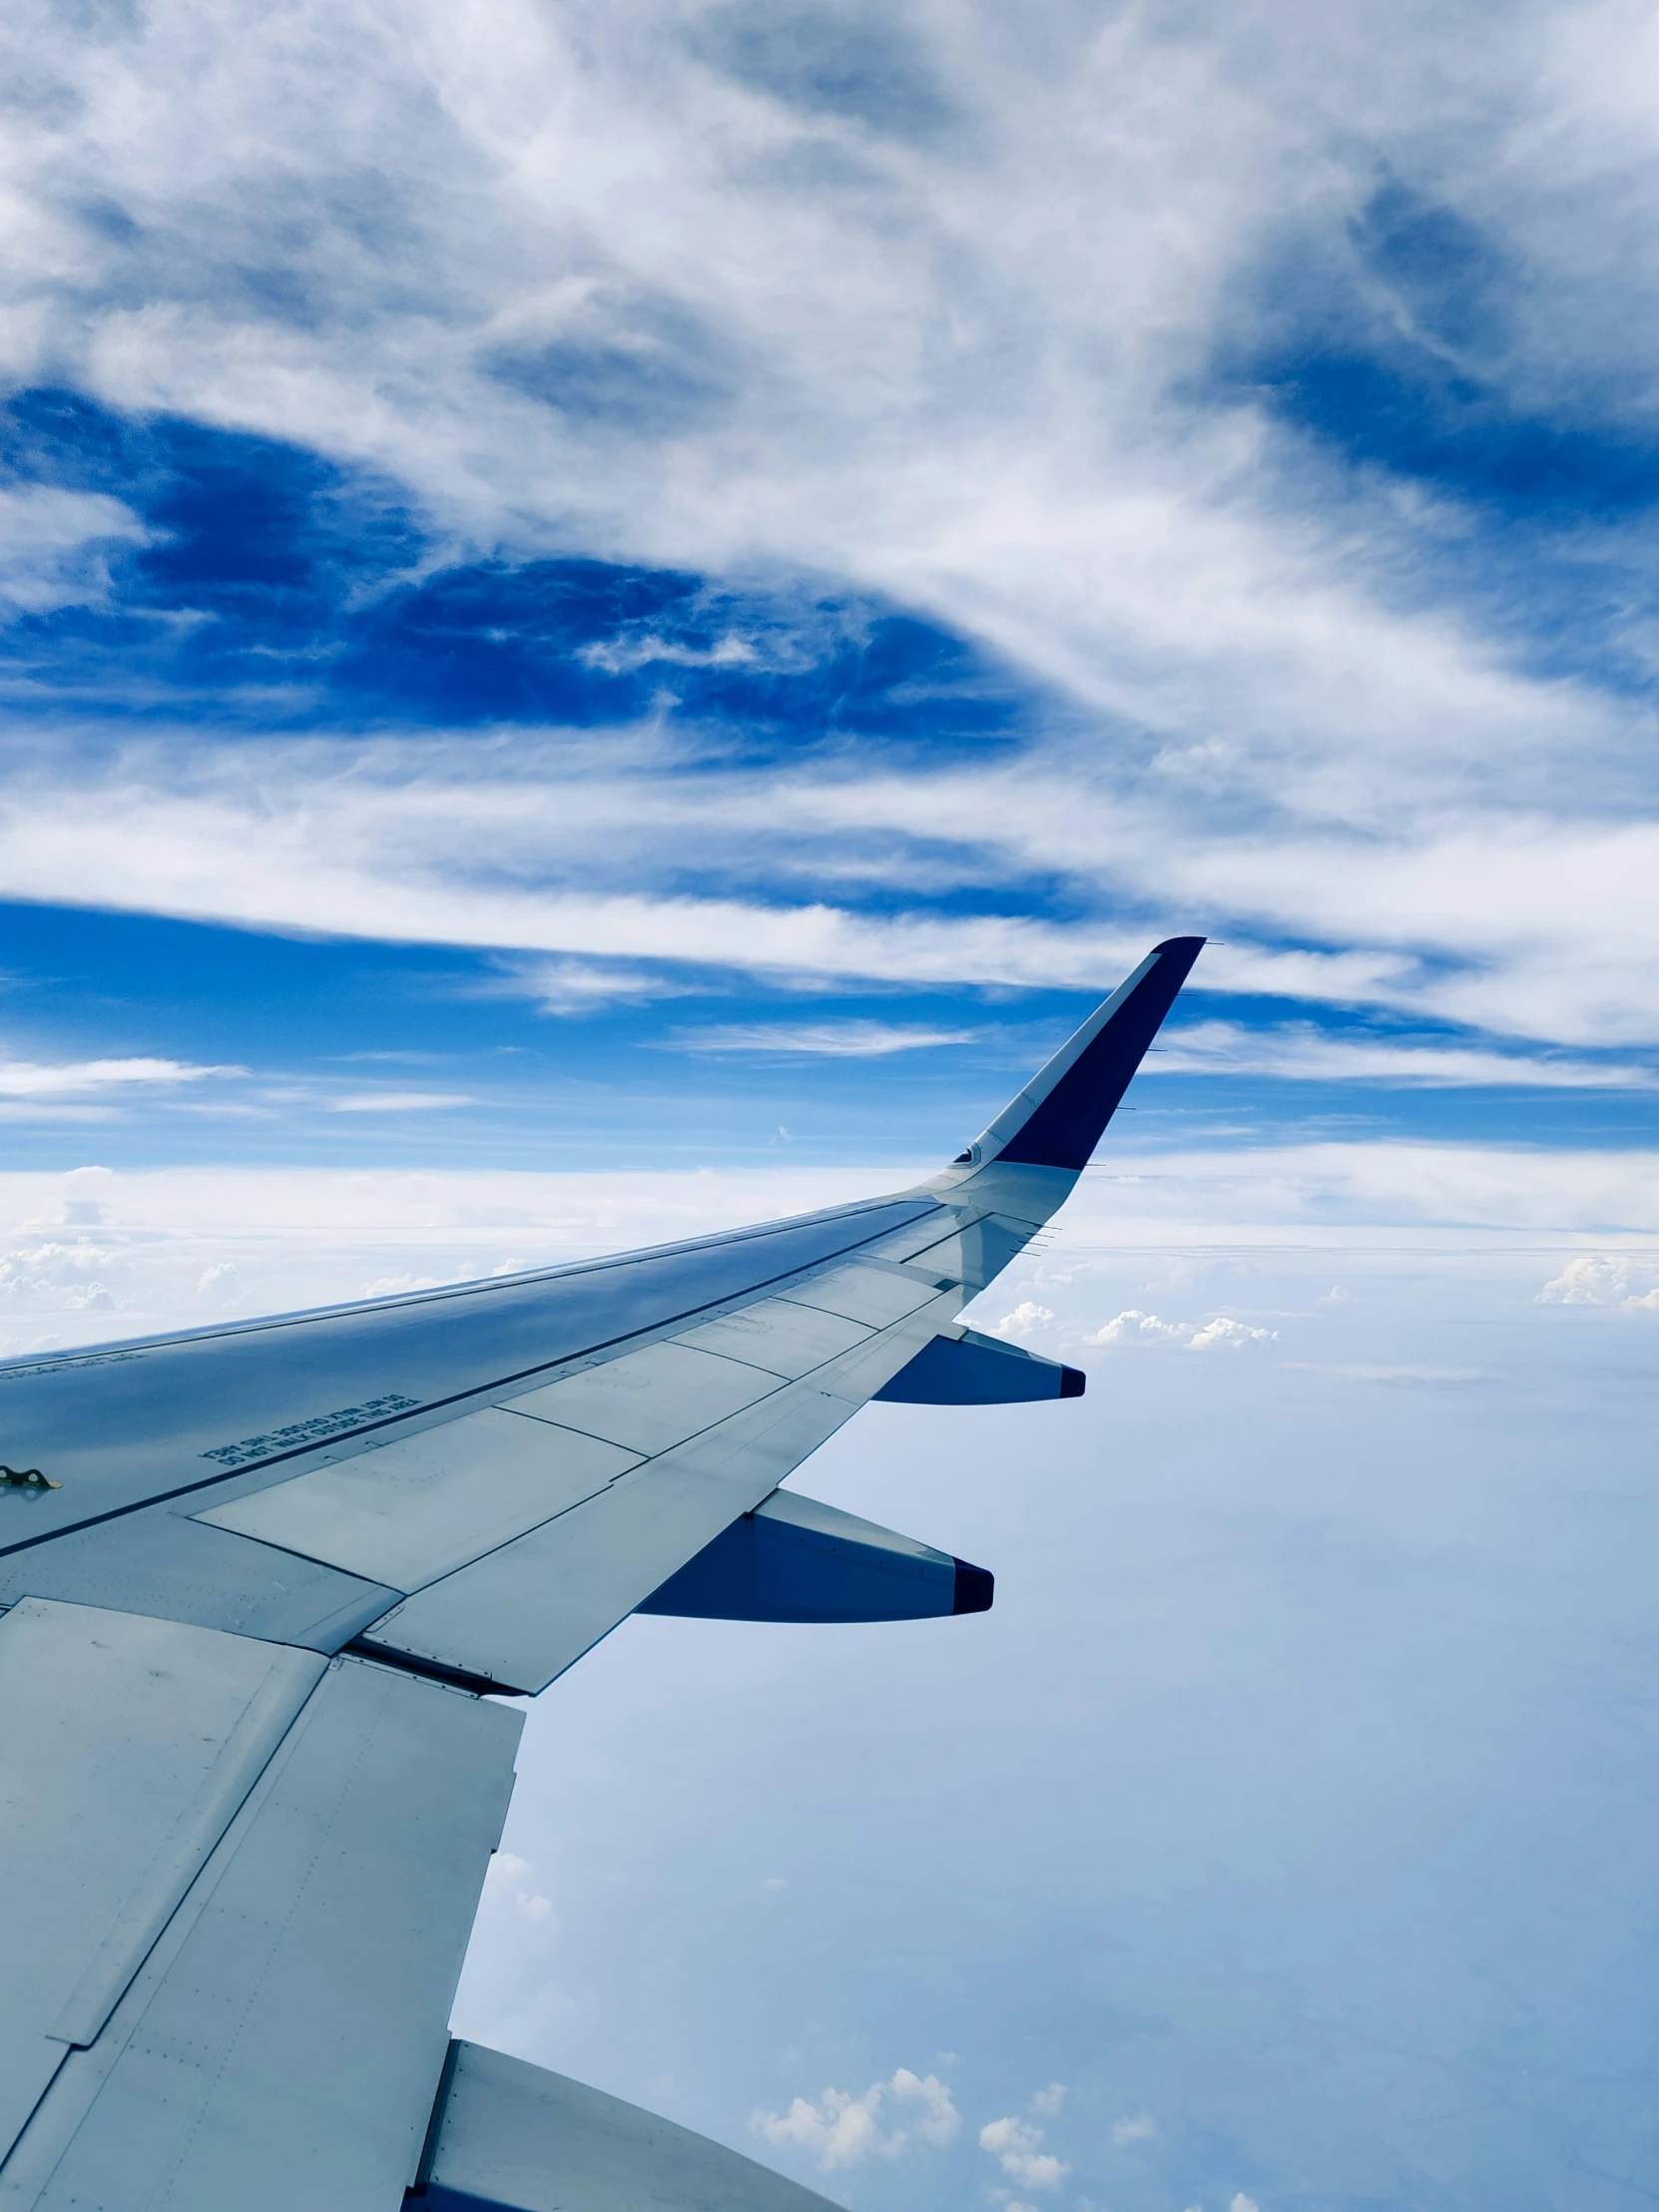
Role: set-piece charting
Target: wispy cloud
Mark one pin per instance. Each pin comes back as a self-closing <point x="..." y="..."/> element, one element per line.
<point x="56" y="546"/>
<point x="836" y="1040"/>
<point x="397" y="1102"/>
<point x="1007" y="345"/>
<point x="47" y="1081"/>
<point x="1302" y="1053"/>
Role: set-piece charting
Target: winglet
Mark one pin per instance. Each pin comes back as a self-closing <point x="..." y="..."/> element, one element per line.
<point x="1060" y="1116"/>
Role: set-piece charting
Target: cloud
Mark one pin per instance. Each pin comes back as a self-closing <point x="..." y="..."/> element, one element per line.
<point x="1330" y="683"/>
<point x="32" y="1079"/>
<point x="1016" y="2145"/>
<point x="1047" y="2102"/>
<point x="1224" y="1330"/>
<point x="59" y="1277"/>
<point x="1242" y="2203"/>
<point x="510" y="1881"/>
<point x="1132" y="1327"/>
<point x="1604" y="1278"/>
<point x="397" y="1102"/>
<point x="1305" y="1054"/>
<point x="838" y="1040"/>
<point x="839" y="2129"/>
<point x="55" y="547"/>
<point x="1026" y="1320"/>
<point x="1141" y="2127"/>
<point x="584" y="987"/>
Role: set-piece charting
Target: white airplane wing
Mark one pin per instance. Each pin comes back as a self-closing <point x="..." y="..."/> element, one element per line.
<point x="260" y="1585"/>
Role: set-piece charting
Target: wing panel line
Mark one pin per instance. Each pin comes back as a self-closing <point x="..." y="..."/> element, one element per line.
<point x="711" y="1310"/>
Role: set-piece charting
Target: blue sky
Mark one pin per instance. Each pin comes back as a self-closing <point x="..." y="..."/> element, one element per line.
<point x="612" y="621"/>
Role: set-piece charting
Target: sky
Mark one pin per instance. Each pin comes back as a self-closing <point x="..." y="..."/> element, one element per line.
<point x="612" y="622"/>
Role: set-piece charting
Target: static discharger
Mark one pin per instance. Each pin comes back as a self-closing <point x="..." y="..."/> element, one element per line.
<point x="25" y="1478"/>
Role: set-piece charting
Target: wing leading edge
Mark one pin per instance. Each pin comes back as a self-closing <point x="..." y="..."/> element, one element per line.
<point x="299" y="1552"/>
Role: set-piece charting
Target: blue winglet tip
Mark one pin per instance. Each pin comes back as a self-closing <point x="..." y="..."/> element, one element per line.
<point x="975" y="1587"/>
<point x="1194" y="946"/>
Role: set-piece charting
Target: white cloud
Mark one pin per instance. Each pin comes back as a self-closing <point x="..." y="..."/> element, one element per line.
<point x="552" y="847"/>
<point x="937" y="2119"/>
<point x="838" y="1040"/>
<point x="397" y="1102"/>
<point x="1047" y="2102"/>
<point x="840" y="2129"/>
<point x="1133" y="1327"/>
<point x="510" y="1883"/>
<point x="643" y="300"/>
<point x="1604" y="1278"/>
<point x="1305" y="1054"/>
<point x="34" y="1080"/>
<point x="55" y="546"/>
<point x="1026" y="1320"/>
<point x="580" y="987"/>
<point x="1139" y="2127"/>
<point x="1016" y="2145"/>
<point x="1224" y="1330"/>
<point x="1242" y="2203"/>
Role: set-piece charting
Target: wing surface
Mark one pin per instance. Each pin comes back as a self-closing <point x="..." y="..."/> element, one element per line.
<point x="268" y="1574"/>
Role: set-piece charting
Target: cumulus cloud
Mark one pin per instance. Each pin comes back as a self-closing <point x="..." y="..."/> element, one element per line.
<point x="843" y="2129"/>
<point x="1132" y="1327"/>
<point x="53" y="1275"/>
<point x="1016" y="2145"/>
<point x="1026" y="1320"/>
<point x="1604" y="1278"/>
<point x="1139" y="2127"/>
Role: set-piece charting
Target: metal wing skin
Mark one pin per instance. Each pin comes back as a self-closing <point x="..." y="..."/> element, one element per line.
<point x="258" y="1583"/>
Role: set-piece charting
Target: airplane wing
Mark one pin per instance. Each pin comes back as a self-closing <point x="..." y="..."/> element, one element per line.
<point x="262" y="1584"/>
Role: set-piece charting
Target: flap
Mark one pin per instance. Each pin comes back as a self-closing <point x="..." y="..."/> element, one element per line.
<point x="517" y="1617"/>
<point x="281" y="2044"/>
<point x="127" y="1748"/>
